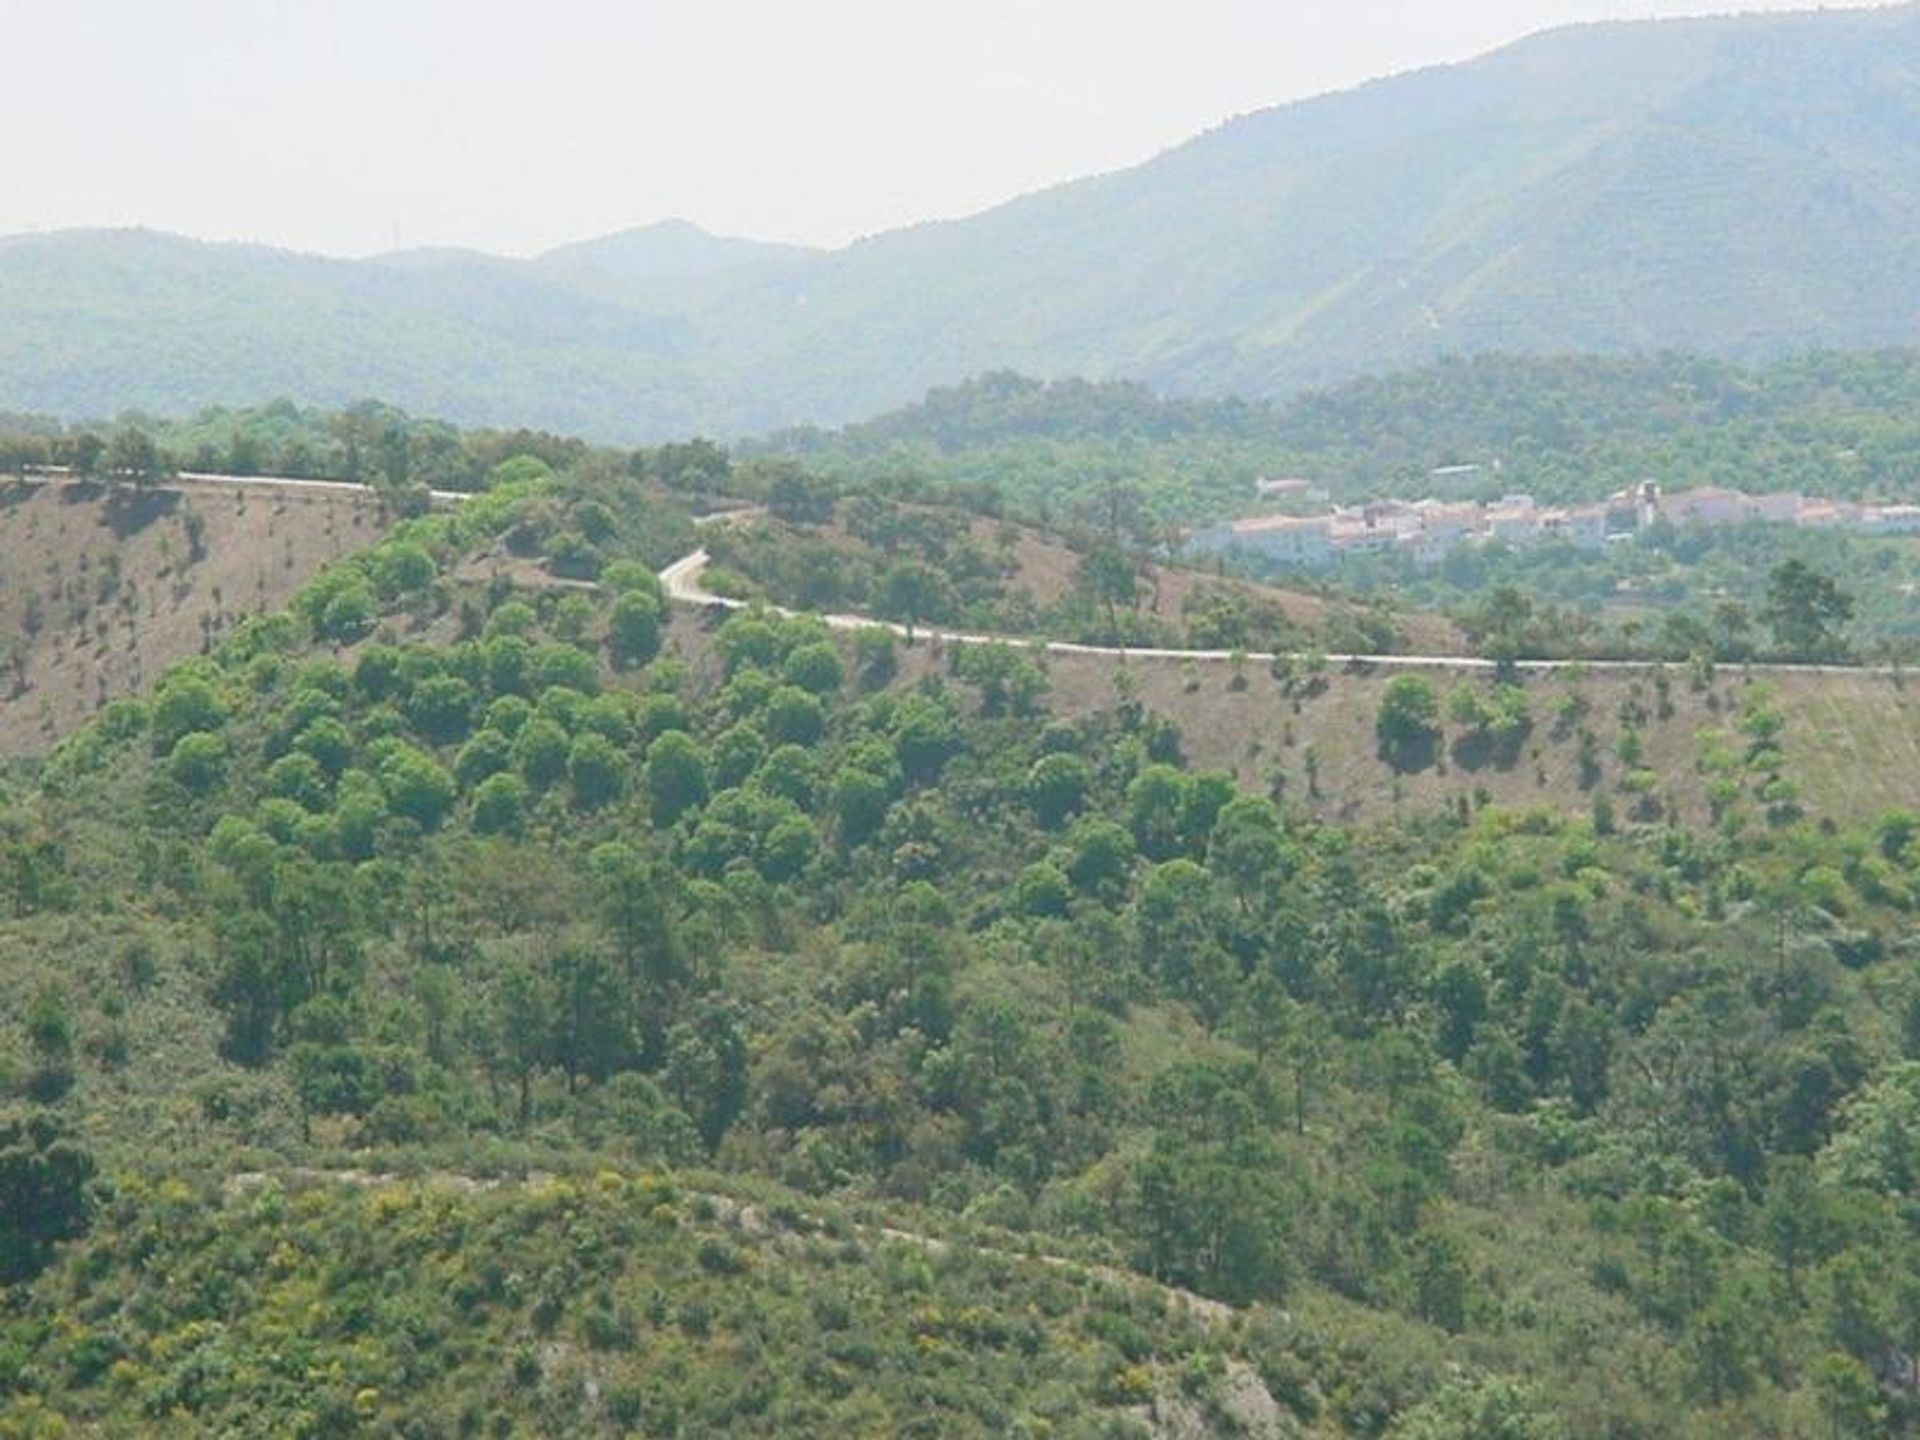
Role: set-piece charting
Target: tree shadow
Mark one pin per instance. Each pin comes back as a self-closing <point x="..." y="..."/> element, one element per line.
<point x="129" y="511"/>
<point x="1412" y="754"/>
<point x="1479" y="749"/>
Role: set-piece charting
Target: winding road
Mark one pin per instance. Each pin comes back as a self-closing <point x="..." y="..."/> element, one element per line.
<point x="683" y="583"/>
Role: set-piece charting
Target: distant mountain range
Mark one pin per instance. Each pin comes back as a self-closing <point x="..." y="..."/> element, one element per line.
<point x="1741" y="187"/>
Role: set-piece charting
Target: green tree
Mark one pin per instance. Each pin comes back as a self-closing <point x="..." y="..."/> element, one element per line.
<point x="707" y="1070"/>
<point x="349" y="614"/>
<point x="132" y="456"/>
<point x="500" y="805"/>
<point x="1057" y="788"/>
<point x="859" y="801"/>
<point x="597" y="770"/>
<point x="417" y="786"/>
<point x="1107" y="576"/>
<point x="1101" y="859"/>
<point x="199" y="761"/>
<point x="633" y="629"/>
<point x="676" y="776"/>
<point x="540" y="752"/>
<point x="1489" y="1408"/>
<point x="815" y="668"/>
<point x="1807" y="612"/>
<point x="1406" y="723"/>
<point x="911" y="591"/>
<point x="45" y="1191"/>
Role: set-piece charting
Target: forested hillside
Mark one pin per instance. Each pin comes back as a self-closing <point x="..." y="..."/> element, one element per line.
<point x="1741" y="187"/>
<point x="481" y="1001"/>
<point x="1562" y="428"/>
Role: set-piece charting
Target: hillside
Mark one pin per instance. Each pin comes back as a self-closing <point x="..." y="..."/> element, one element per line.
<point x="101" y="590"/>
<point x="1000" y="578"/>
<point x="1742" y="187"/>
<point x="1562" y="428"/>
<point x="476" y="1000"/>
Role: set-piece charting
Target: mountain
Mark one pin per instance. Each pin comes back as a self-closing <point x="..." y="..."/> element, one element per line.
<point x="1741" y="187"/>
<point x="1744" y="187"/>
<point x="670" y="250"/>
<point x="96" y="321"/>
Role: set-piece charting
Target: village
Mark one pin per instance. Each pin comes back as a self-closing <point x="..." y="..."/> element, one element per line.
<point x="1426" y="530"/>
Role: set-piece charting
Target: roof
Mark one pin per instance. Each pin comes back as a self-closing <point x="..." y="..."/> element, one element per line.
<point x="1269" y="524"/>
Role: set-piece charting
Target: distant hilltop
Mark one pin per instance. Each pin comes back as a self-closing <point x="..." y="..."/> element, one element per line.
<point x="1428" y="529"/>
<point x="1743" y="188"/>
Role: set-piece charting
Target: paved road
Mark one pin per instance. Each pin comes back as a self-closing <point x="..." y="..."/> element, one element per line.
<point x="61" y="474"/>
<point x="682" y="580"/>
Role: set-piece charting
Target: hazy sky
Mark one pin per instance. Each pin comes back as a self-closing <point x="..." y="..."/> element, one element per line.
<point x="347" y="125"/>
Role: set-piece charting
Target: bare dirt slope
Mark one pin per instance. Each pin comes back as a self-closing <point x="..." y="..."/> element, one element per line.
<point x="102" y="589"/>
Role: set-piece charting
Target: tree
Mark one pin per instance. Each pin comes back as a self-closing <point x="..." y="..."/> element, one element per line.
<point x="633" y="629"/>
<point x="1216" y="1217"/>
<point x="417" y="786"/>
<point x="187" y="701"/>
<point x="540" y="752"/>
<point x="633" y="902"/>
<point x="675" y="775"/>
<point x="86" y="453"/>
<point x="910" y="591"/>
<point x="707" y="1070"/>
<point x="859" y="801"/>
<point x="597" y="769"/>
<point x="1107" y="575"/>
<point x="132" y="456"/>
<point x="401" y="567"/>
<point x="523" y="1009"/>
<point x="793" y="716"/>
<point x="500" y="805"/>
<point x="1155" y="800"/>
<point x="797" y="497"/>
<point x="198" y="761"/>
<point x="1806" y="612"/>
<point x="1057" y="787"/>
<point x="1878" y="1143"/>
<point x="815" y="668"/>
<point x="45" y="1196"/>
<point x="1405" y="725"/>
<point x="1494" y="1408"/>
<point x="349" y="614"/>
<point x="1101" y="860"/>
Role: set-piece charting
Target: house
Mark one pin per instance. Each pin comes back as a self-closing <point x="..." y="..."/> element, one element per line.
<point x="1287" y="488"/>
<point x="1357" y="537"/>
<point x="1821" y="514"/>
<point x="1583" y="526"/>
<point x="1515" y="520"/>
<point x="1708" y="505"/>
<point x="1891" y="519"/>
<point x="1298" y="540"/>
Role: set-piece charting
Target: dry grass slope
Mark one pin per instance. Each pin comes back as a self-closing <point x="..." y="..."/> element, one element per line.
<point x="101" y="590"/>
<point x="1851" y="742"/>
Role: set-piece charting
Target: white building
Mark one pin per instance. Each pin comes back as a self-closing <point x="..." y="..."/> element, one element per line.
<point x="1305" y="541"/>
<point x="1515" y="521"/>
<point x="1584" y="526"/>
<point x="1891" y="519"/>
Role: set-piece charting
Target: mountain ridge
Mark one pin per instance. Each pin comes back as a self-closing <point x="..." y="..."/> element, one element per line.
<point x="1740" y="186"/>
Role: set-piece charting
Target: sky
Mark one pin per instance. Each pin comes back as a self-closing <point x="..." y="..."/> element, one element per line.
<point x="350" y="127"/>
